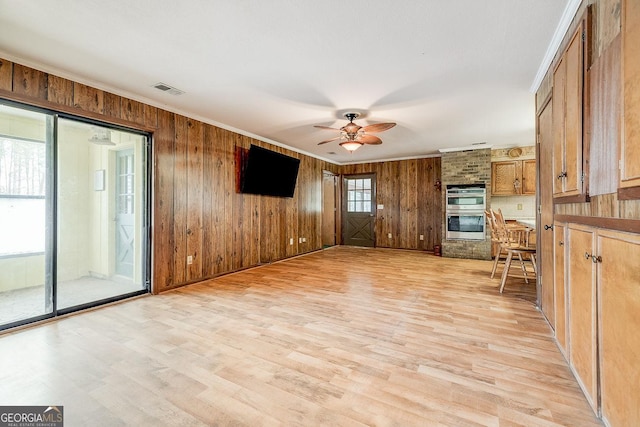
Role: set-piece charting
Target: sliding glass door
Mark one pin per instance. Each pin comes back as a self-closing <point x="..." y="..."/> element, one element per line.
<point x="101" y="211"/>
<point x="26" y="143"/>
<point x="73" y="214"/>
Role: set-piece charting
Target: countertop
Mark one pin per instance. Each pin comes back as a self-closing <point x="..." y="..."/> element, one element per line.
<point x="529" y="222"/>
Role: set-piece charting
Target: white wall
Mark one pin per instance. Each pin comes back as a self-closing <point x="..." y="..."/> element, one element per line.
<point x="515" y="207"/>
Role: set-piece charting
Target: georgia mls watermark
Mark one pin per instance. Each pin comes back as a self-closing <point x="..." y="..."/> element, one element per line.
<point x="31" y="416"/>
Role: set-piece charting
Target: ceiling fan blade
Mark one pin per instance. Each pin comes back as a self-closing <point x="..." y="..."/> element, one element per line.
<point x="329" y="140"/>
<point x="326" y="127"/>
<point x="378" y="127"/>
<point x="370" y="139"/>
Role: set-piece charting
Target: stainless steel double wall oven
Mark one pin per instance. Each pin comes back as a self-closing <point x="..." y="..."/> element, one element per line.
<point x="465" y="211"/>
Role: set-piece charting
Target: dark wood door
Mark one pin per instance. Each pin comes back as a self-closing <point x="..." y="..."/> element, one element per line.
<point x="545" y="200"/>
<point x="329" y="203"/>
<point x="358" y="210"/>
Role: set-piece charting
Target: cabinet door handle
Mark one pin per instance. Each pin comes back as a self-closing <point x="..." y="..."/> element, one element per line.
<point x="587" y="255"/>
<point x="596" y="259"/>
<point x="561" y="243"/>
<point x="548" y="227"/>
<point x="562" y="175"/>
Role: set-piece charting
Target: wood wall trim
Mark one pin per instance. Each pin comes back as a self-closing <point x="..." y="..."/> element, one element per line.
<point x="629" y="193"/>
<point x="578" y="198"/>
<point x="618" y="224"/>
<point x="74" y="111"/>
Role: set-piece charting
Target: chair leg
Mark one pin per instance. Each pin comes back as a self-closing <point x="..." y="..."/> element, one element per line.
<point x="533" y="261"/>
<point x="523" y="268"/>
<point x="495" y="263"/>
<point x="507" y="265"/>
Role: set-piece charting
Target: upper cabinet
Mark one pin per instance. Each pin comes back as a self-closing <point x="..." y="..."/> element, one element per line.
<point x="514" y="177"/>
<point x="568" y="81"/>
<point x="630" y="141"/>
<point x="528" y="177"/>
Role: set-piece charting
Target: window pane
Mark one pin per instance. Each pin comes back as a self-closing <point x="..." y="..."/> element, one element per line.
<point x="22" y="190"/>
<point x="22" y="225"/>
<point x="24" y="290"/>
<point x="352" y="207"/>
<point x="367" y="207"/>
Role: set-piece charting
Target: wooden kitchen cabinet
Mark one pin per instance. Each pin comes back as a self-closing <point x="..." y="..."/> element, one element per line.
<point x="568" y="80"/>
<point x="597" y="289"/>
<point x="582" y="321"/>
<point x="559" y="289"/>
<point x="630" y="141"/>
<point x="618" y="277"/>
<point x="513" y="177"/>
<point x="528" y="177"/>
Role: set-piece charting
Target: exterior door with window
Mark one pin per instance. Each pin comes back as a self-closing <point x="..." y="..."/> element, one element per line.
<point x="125" y="220"/>
<point x="359" y="210"/>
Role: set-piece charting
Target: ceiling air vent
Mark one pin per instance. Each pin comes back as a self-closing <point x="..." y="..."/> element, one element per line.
<point x="166" y="88"/>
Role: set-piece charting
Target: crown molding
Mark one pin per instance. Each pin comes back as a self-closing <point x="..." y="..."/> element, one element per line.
<point x="565" y="21"/>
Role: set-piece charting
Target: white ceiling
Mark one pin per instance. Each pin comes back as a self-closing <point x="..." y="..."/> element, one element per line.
<point x="449" y="73"/>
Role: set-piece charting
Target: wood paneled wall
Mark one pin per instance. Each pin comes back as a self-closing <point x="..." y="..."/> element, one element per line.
<point x="412" y="202"/>
<point x="196" y="210"/>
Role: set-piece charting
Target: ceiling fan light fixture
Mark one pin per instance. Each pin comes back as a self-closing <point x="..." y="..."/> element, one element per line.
<point x="353" y="136"/>
<point x="351" y="146"/>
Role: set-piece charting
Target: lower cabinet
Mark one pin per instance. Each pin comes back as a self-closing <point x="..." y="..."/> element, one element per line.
<point x="618" y="278"/>
<point x="559" y="288"/>
<point x="597" y="306"/>
<point x="581" y="281"/>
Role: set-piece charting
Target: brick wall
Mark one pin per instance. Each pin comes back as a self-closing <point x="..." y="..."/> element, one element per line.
<point x="466" y="167"/>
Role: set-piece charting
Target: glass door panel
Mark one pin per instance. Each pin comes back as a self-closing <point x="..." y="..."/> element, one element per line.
<point x="26" y="138"/>
<point x="101" y="213"/>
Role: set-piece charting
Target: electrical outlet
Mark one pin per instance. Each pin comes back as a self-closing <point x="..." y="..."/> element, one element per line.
<point x="422" y="237"/>
<point x="389" y="235"/>
<point x="291" y="241"/>
<point x="299" y="239"/>
<point x="189" y="260"/>
<point x="304" y="240"/>
<point x="519" y="206"/>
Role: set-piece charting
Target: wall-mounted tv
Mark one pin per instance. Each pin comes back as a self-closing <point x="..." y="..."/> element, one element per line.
<point x="269" y="173"/>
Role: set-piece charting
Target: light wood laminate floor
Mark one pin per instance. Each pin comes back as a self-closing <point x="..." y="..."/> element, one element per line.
<point x="345" y="336"/>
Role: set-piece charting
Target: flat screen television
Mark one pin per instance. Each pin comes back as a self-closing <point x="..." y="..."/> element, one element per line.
<point x="269" y="173"/>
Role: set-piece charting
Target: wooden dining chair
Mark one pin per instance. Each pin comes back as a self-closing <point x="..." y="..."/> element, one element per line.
<point x="501" y="254"/>
<point x="511" y="242"/>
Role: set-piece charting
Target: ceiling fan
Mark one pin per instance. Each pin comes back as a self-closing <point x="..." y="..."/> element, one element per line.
<point x="355" y="136"/>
